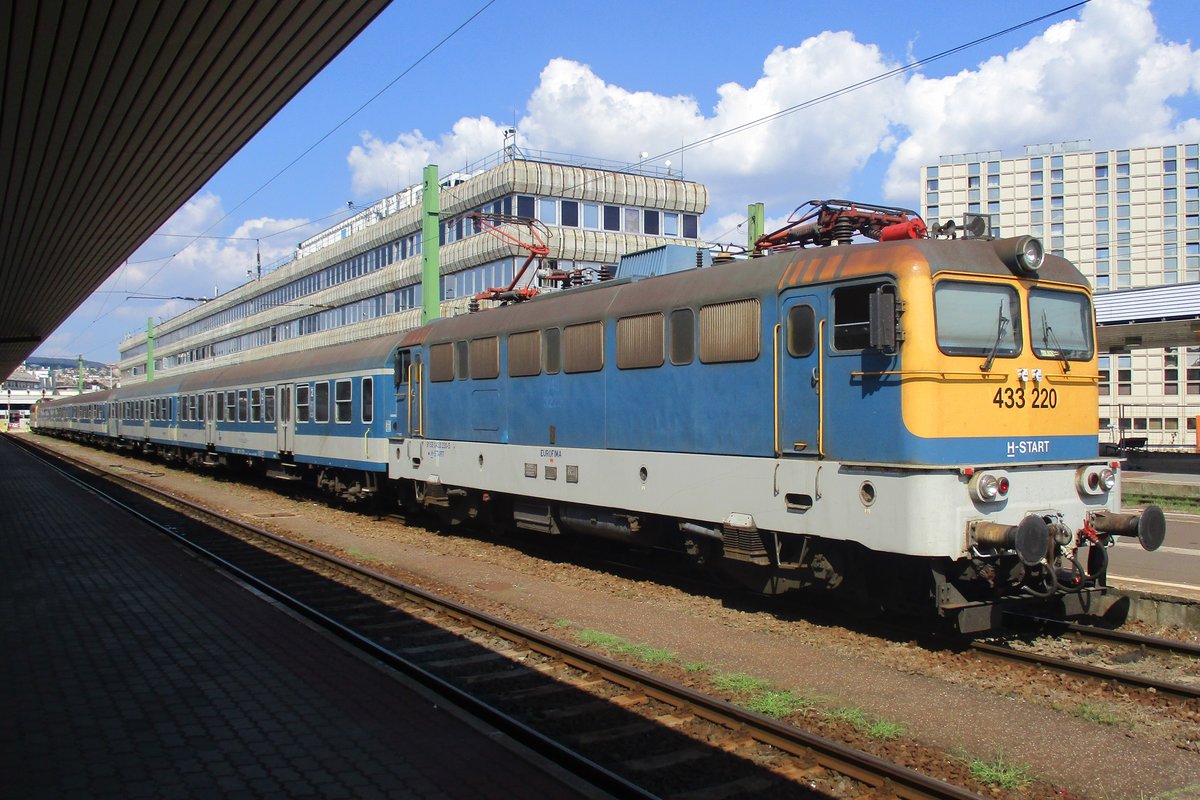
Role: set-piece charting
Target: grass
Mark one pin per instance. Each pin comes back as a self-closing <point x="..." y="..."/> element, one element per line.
<point x="780" y="704"/>
<point x="359" y="555"/>
<point x="615" y="644"/>
<point x="875" y="728"/>
<point x="1184" y="504"/>
<point x="739" y="683"/>
<point x="1097" y="712"/>
<point x="1000" y="772"/>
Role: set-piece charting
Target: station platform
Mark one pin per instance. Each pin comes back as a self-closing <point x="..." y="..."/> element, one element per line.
<point x="130" y="669"/>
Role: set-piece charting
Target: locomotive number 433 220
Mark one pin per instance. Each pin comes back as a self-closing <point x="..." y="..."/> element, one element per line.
<point x="1036" y="397"/>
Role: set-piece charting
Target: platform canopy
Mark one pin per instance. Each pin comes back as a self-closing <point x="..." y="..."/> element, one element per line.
<point x="113" y="113"/>
<point x="1157" y="316"/>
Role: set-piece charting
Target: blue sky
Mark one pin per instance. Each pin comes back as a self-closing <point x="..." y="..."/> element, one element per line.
<point x="615" y="79"/>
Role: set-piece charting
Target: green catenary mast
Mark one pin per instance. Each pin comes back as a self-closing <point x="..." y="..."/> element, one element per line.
<point x="431" y="284"/>
<point x="756" y="225"/>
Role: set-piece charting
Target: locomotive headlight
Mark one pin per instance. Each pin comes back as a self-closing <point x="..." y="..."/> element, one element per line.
<point x="1022" y="254"/>
<point x="1095" y="480"/>
<point x="988" y="487"/>
<point x="1108" y="479"/>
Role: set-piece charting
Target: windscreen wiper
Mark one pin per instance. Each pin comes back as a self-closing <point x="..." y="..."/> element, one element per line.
<point x="1001" y="327"/>
<point x="1048" y="338"/>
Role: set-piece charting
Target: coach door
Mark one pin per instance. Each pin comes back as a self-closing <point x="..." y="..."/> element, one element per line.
<point x="799" y="341"/>
<point x="210" y="418"/>
<point x="285" y="422"/>
<point x="409" y="406"/>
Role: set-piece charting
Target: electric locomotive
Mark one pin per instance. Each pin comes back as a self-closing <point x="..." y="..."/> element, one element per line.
<point x="909" y="423"/>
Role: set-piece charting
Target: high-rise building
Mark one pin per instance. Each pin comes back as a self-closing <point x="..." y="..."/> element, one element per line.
<point x="363" y="277"/>
<point x="1128" y="218"/>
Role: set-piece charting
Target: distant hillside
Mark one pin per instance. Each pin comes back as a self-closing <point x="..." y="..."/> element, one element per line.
<point x="61" y="363"/>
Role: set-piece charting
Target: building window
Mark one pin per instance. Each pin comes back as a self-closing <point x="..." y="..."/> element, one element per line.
<point x="691" y="226"/>
<point x="612" y="218"/>
<point x="570" y="214"/>
<point x="1170" y="372"/>
<point x="1124" y="375"/>
<point x="650" y="222"/>
<point x="548" y="211"/>
<point x="633" y="221"/>
<point x="525" y="206"/>
<point x="1104" y="386"/>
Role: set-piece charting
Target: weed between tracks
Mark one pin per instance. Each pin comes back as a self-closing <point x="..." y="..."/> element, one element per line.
<point x="748" y="691"/>
<point x="999" y="772"/>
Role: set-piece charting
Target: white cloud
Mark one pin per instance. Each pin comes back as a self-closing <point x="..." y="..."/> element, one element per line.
<point x="1109" y="76"/>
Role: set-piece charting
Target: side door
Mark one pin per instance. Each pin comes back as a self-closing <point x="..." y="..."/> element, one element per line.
<point x="210" y="418"/>
<point x="285" y="422"/>
<point x="799" y="401"/>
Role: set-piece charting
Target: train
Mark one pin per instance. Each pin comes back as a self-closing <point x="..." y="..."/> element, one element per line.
<point x="901" y="418"/>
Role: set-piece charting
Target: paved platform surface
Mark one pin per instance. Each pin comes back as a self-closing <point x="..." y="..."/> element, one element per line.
<point x="130" y="669"/>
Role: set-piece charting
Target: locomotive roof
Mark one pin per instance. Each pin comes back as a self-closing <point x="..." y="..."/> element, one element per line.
<point x="756" y="277"/>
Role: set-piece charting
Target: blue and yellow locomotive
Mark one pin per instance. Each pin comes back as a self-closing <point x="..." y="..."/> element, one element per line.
<point x="909" y="423"/>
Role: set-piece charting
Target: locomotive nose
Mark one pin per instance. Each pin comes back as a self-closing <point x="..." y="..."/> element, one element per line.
<point x="1149" y="527"/>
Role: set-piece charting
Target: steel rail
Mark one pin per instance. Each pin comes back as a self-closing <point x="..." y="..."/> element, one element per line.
<point x="1088" y="670"/>
<point x="868" y="769"/>
<point x="1121" y="637"/>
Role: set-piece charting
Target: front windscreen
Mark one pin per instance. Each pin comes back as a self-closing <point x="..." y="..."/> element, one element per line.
<point x="1060" y="324"/>
<point x="977" y="319"/>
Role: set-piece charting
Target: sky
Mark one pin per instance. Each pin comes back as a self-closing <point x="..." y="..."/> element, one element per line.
<point x="868" y="101"/>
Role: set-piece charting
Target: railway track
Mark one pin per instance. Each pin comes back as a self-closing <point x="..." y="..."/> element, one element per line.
<point x="628" y="732"/>
<point x="1154" y="656"/>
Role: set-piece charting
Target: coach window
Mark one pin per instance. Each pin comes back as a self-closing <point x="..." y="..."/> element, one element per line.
<point x="321" y="402"/>
<point x="640" y="341"/>
<point x="343" y="401"/>
<point x="801" y="331"/>
<point x="200" y="408"/>
<point x="683" y="336"/>
<point x="485" y="358"/>
<point x="368" y="399"/>
<point x="302" y="402"/>
<point x="441" y="362"/>
<point x="219" y="414"/>
<point x="256" y="405"/>
<point x="269" y="404"/>
<point x="583" y="347"/>
<point x="231" y="406"/>
<point x="243" y="405"/>
<point x="730" y="331"/>
<point x="552" y="350"/>
<point x="524" y="354"/>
